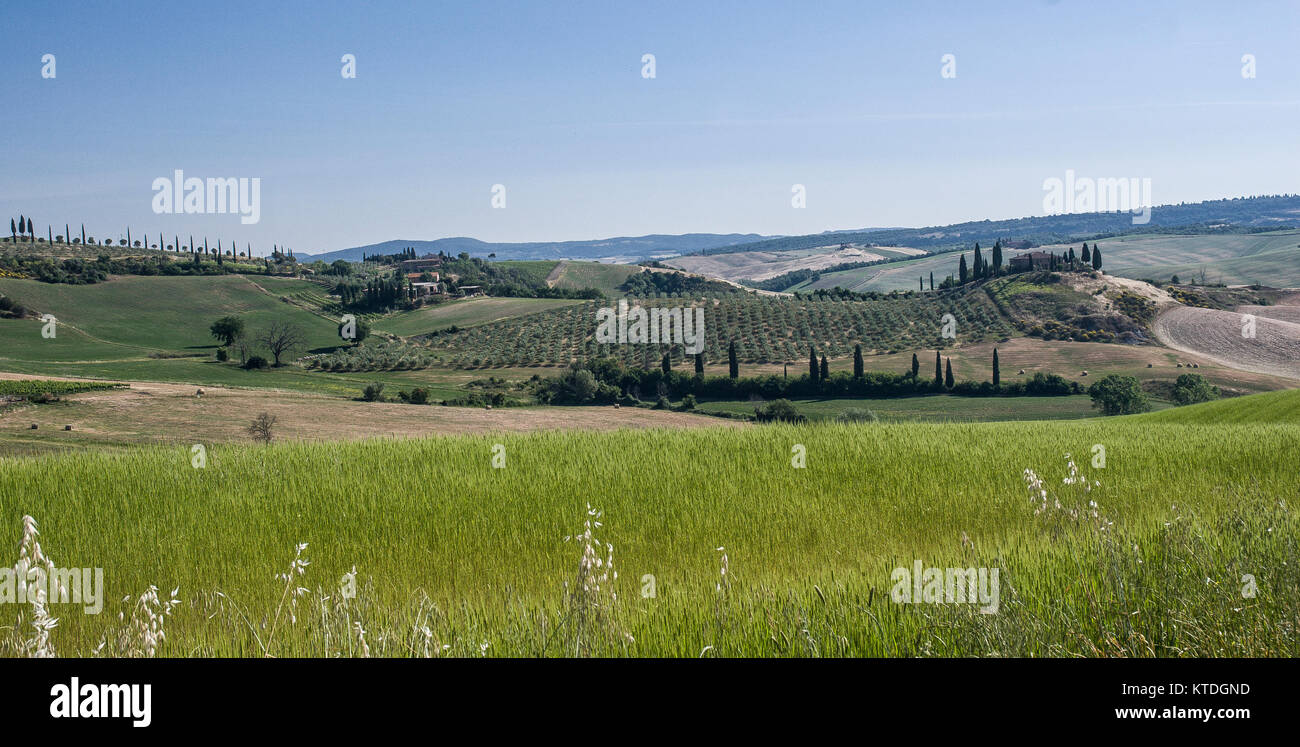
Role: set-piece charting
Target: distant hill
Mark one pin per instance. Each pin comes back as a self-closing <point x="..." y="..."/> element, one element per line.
<point x="630" y="249"/>
<point x="1280" y="211"/>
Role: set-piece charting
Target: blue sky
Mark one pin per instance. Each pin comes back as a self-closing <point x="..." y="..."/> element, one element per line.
<point x="547" y="99"/>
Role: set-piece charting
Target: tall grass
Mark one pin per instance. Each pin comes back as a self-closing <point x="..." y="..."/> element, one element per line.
<point x="455" y="558"/>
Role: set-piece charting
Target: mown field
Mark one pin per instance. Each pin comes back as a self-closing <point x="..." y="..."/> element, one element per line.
<point x="457" y="558"/>
<point x="466" y="313"/>
<point x="604" y="277"/>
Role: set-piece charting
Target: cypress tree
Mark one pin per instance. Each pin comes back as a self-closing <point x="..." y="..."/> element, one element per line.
<point x="83" y="233"/>
<point x="667" y="364"/>
<point x="857" y="362"/>
<point x="997" y="256"/>
<point x="916" y="366"/>
<point x="13" y="230"/>
<point x="997" y="375"/>
<point x="699" y="364"/>
<point x="826" y="370"/>
<point x="938" y="369"/>
<point x="961" y="269"/>
<point x="947" y="377"/>
<point x="812" y="365"/>
<point x="733" y="364"/>
<point x="1096" y="257"/>
<point x="1085" y="257"/>
<point x="979" y="262"/>
<point x="932" y="281"/>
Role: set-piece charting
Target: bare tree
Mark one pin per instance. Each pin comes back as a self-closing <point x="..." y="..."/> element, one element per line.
<point x="281" y="337"/>
<point x="260" y="429"/>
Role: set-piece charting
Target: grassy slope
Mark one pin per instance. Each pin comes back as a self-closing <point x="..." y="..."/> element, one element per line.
<point x="129" y="317"/>
<point x="603" y="277"/>
<point x="1269" y="407"/>
<point x="810" y="551"/>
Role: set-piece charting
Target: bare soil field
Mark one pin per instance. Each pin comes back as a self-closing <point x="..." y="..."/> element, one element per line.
<point x="1217" y="335"/>
<point x="171" y="413"/>
<point x="1281" y="313"/>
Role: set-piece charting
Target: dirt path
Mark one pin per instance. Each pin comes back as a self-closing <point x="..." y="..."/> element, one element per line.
<point x="553" y="276"/>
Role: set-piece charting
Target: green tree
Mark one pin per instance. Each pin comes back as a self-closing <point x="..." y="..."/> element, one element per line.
<point x="1118" y="395"/>
<point x="1190" y="389"/>
<point x="227" y="329"/>
<point x="916" y="366"/>
<point x="947" y="376"/>
<point x="997" y="375"/>
<point x="699" y="364"/>
<point x="825" y="370"/>
<point x="938" y="369"/>
<point x="667" y="364"/>
<point x="1084" y="256"/>
<point x="997" y="257"/>
<point x="733" y="364"/>
<point x="961" y="269"/>
<point x="858" y="365"/>
<point x="1096" y="257"/>
<point x="812" y="365"/>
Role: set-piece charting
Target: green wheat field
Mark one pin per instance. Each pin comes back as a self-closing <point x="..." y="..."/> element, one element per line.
<point x="1192" y="548"/>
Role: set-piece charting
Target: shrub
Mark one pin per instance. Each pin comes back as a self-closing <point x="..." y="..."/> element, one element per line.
<point x="222" y="355"/>
<point x="779" y="411"/>
<point x="374" y="392"/>
<point x="256" y="362"/>
<point x="857" y="415"/>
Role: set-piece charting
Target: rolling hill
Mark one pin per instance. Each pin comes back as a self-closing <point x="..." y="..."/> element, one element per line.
<point x="627" y="248"/>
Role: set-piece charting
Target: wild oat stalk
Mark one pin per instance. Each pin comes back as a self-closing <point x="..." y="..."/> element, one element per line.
<point x="291" y="593"/>
<point x="591" y="598"/>
<point x="139" y="637"/>
<point x="32" y="565"/>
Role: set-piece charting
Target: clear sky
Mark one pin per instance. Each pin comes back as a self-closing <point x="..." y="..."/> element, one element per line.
<point x="548" y="99"/>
